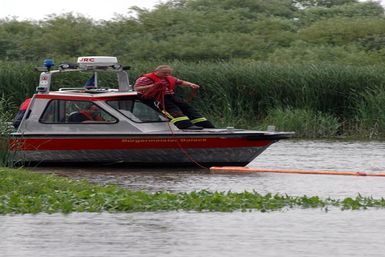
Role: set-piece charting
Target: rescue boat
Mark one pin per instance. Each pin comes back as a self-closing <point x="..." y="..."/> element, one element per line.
<point x="57" y="129"/>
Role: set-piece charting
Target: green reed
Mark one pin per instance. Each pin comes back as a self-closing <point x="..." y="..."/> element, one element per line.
<point x="305" y="123"/>
<point x="244" y="93"/>
<point x="370" y="113"/>
<point x="22" y="191"/>
<point x="6" y="118"/>
<point x="18" y="80"/>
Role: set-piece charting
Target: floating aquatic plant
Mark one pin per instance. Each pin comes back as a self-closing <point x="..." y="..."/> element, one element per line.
<point x="22" y="191"/>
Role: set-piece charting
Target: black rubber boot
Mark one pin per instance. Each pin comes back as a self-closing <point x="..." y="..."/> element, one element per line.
<point x="205" y="124"/>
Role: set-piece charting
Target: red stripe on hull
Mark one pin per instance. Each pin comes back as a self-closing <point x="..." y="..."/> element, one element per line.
<point x="30" y="144"/>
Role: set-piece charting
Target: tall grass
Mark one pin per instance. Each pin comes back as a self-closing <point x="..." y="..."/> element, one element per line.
<point x="371" y="113"/>
<point x="243" y="93"/>
<point x="305" y="123"/>
<point x="18" y="80"/>
<point x="6" y="117"/>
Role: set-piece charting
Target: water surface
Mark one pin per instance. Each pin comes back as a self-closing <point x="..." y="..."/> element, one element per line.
<point x="289" y="232"/>
<point x="290" y="154"/>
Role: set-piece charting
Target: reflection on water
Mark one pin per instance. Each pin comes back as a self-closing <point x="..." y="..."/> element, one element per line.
<point x="297" y="232"/>
<point x="289" y="233"/>
<point x="325" y="155"/>
<point x="315" y="155"/>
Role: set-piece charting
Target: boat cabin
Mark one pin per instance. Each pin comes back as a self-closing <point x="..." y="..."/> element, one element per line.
<point x="91" y="107"/>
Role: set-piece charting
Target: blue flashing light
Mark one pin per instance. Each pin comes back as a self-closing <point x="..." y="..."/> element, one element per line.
<point x="49" y="63"/>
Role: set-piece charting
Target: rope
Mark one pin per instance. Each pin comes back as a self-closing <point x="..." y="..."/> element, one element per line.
<point x="161" y="107"/>
<point x="185" y="152"/>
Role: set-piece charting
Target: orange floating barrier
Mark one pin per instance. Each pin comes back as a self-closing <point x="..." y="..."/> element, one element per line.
<point x="235" y="169"/>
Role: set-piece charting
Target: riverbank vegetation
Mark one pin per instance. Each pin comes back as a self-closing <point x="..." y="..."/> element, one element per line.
<point x="27" y="192"/>
<point x="6" y="116"/>
<point x="315" y="101"/>
<point x="314" y="67"/>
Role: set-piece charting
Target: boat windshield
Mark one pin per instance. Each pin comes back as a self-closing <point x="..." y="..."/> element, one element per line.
<point x="75" y="111"/>
<point x="137" y="111"/>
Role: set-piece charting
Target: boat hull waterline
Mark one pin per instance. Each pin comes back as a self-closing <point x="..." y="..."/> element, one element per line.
<point x="140" y="150"/>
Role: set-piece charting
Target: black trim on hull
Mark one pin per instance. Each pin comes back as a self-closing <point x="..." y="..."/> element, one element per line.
<point x="147" y="157"/>
<point x="252" y="136"/>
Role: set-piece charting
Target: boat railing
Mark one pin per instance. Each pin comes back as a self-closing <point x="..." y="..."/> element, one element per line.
<point x="89" y="91"/>
<point x="93" y="64"/>
<point x="72" y="89"/>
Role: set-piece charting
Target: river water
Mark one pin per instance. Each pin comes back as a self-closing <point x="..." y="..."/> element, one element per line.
<point x="289" y="232"/>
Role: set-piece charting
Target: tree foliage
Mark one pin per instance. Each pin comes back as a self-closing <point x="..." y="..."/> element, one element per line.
<point x="276" y="30"/>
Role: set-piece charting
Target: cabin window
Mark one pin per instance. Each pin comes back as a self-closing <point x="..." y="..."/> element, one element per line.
<point x="137" y="111"/>
<point x="70" y="111"/>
